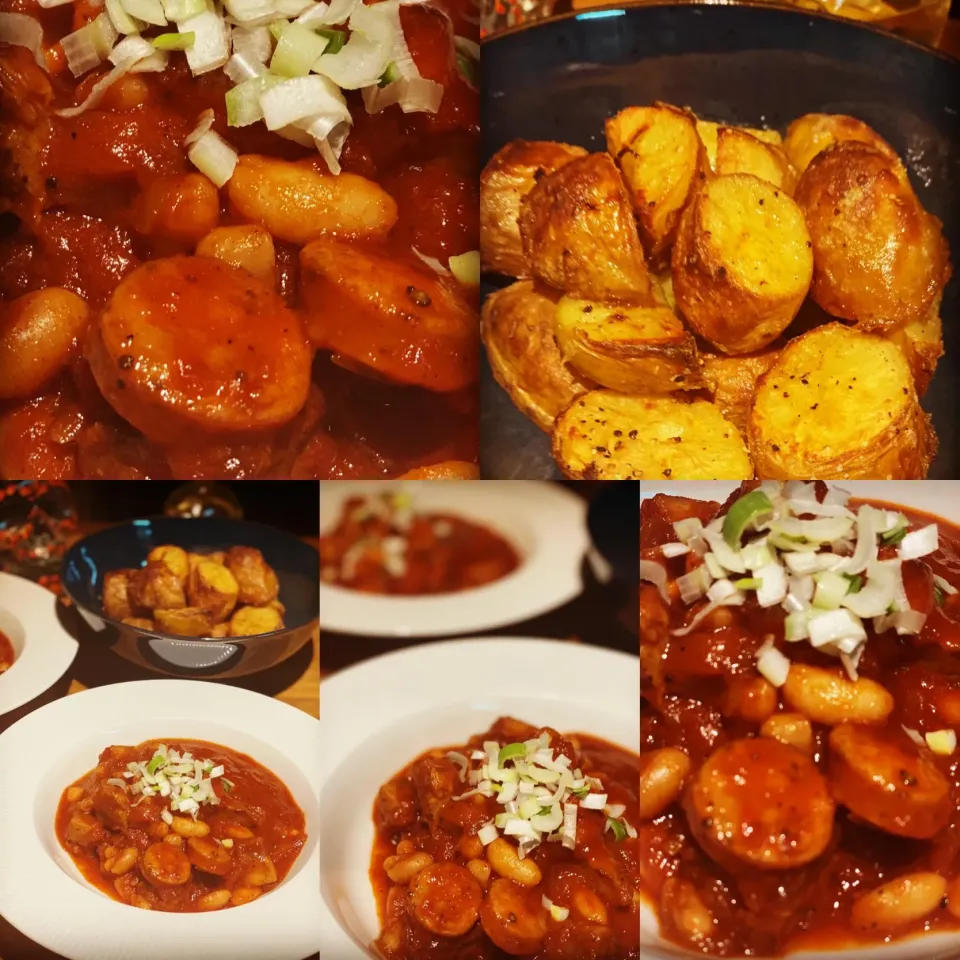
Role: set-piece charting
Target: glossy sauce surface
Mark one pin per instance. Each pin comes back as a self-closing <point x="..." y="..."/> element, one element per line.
<point x="702" y="694"/>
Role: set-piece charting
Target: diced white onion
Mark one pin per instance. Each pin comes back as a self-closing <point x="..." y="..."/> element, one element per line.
<point x="670" y="550"/>
<point x="773" y="585"/>
<point x="909" y="622"/>
<point x="214" y="157"/>
<point x="121" y="20"/>
<point x="297" y="51"/>
<point x="432" y="263"/>
<point x="594" y="801"/>
<point x="654" y="573"/>
<point x="367" y="53"/>
<point x="487" y="834"/>
<point x="556" y="912"/>
<point x="243" y="103"/>
<point x="866" y="551"/>
<point x="211" y="44"/>
<point x="49" y="4"/>
<point x="251" y="11"/>
<point x="176" y="10"/>
<point x="942" y="742"/>
<point x="772" y="665"/>
<point x="919" y="543"/>
<point x="688" y="528"/>
<point x="254" y="44"/>
<point x="915" y="736"/>
<point x="89" y="46"/>
<point x="831" y="588"/>
<point x="302" y="97"/>
<point x="832" y="626"/>
<point x="414" y="95"/>
<point x="204" y="123"/>
<point x="21" y="30"/>
<point x="944" y="585"/>
<point x="694" y="585"/>
<point x="149" y="11"/>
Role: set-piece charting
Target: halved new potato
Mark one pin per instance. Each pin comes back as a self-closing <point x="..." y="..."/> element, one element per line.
<point x="251" y="621"/>
<point x="662" y="160"/>
<point x="742" y="262"/>
<point x="812" y="133"/>
<point x="631" y="349"/>
<point x="739" y="151"/>
<point x="839" y="405"/>
<point x="709" y="133"/>
<point x="213" y="588"/>
<point x="609" y="436"/>
<point x="580" y="236"/>
<point x="731" y="381"/>
<point x="922" y="344"/>
<point x="517" y="327"/>
<point x="880" y="258"/>
<point x="185" y="622"/>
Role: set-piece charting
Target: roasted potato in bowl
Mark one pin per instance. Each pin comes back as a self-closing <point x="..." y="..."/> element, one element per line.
<point x="630" y="349"/>
<point x="742" y="263"/>
<point x="731" y="381"/>
<point x="839" y="404"/>
<point x="608" y="436"/>
<point x="812" y="133"/>
<point x="517" y="326"/>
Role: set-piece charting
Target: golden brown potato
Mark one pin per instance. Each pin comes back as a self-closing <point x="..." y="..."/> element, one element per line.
<point x="117" y="602"/>
<point x="839" y="405"/>
<point x="608" y="436"/>
<point x="812" y="133"/>
<point x="741" y="262"/>
<point x="185" y="622"/>
<point x="643" y="350"/>
<point x="142" y="622"/>
<point x="663" y="290"/>
<point x="507" y="178"/>
<point x="731" y="381"/>
<point x="739" y="151"/>
<point x="156" y="587"/>
<point x="580" y="236"/>
<point x="214" y="589"/>
<point x="447" y="470"/>
<point x="220" y="630"/>
<point x="517" y="327"/>
<point x="880" y="258"/>
<point x="922" y="344"/>
<point x="251" y="621"/>
<point x="257" y="582"/>
<point x="175" y="558"/>
<point x="709" y="133"/>
<point x="662" y="160"/>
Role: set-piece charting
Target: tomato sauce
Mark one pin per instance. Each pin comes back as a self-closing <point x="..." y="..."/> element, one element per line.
<point x="7" y="655"/>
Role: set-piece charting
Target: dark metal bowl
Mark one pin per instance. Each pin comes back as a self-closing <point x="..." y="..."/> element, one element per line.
<point x="747" y="64"/>
<point x="296" y="563"/>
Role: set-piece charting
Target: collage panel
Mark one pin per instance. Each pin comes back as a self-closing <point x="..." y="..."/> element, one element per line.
<point x="158" y="720"/>
<point x="799" y="684"/>
<point x="479" y="721"/>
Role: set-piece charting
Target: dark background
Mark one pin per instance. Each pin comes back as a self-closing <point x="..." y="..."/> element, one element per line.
<point x="291" y="505"/>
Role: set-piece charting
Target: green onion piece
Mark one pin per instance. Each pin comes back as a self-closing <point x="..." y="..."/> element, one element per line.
<point x="155" y="764"/>
<point x="619" y="830"/>
<point x="856" y="582"/>
<point x="467" y="68"/>
<point x="336" y="39"/>
<point x="748" y="583"/>
<point x="277" y="28"/>
<point x="745" y="513"/>
<point x="892" y="537"/>
<point x="243" y="100"/>
<point x="939" y="594"/>
<point x="390" y="75"/>
<point x="227" y="785"/>
<point x="174" y="41"/>
<point x="581" y="792"/>
<point x="298" y="49"/>
<point x="510" y="752"/>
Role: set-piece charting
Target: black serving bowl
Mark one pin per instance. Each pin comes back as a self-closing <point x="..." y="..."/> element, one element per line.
<point x="296" y="564"/>
<point x="759" y="65"/>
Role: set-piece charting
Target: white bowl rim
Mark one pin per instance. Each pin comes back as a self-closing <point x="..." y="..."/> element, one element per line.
<point x="549" y="576"/>
<point x="48" y="650"/>
<point x="88" y="925"/>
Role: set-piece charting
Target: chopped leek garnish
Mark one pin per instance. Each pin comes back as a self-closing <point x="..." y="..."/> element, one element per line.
<point x="856" y="581"/>
<point x="174" y="41"/>
<point x="618" y="828"/>
<point x="892" y="537"/>
<point x="213" y="156"/>
<point x="298" y="49"/>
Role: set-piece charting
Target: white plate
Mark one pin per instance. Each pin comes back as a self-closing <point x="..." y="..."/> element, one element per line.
<point x="938" y="497"/>
<point x="44" y="650"/>
<point x="544" y="522"/>
<point x="44" y="895"/>
<point x="379" y="715"/>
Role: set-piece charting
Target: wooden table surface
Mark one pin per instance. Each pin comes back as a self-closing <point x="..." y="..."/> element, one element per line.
<point x="296" y="681"/>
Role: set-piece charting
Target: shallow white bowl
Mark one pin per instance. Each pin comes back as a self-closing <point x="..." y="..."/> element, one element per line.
<point x="938" y="497"/>
<point x="44" y="650"/>
<point x="43" y="894"/>
<point x="544" y="522"/>
<point x="379" y="715"/>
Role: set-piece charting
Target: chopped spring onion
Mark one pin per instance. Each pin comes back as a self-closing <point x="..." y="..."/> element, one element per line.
<point x="21" y="30"/>
<point x="466" y="268"/>
<point x="618" y="827"/>
<point x="149" y="11"/>
<point x="121" y="20"/>
<point x="126" y="56"/>
<point x="366" y="54"/>
<point x="177" y="10"/>
<point x="335" y="39"/>
<point x="298" y="49"/>
<point x="254" y="44"/>
<point x="747" y="583"/>
<point x="213" y="156"/>
<point x="744" y="514"/>
<point x="942" y="742"/>
<point x="893" y="536"/>
<point x="184" y="779"/>
<point x="174" y="41"/>
<point x="830" y="590"/>
<point x="89" y="46"/>
<point x="211" y="45"/>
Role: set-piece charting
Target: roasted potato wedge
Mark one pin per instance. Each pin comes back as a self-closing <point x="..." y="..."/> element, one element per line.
<point x="508" y="177"/>
<point x="214" y="589"/>
<point x="143" y="623"/>
<point x="839" y="404"/>
<point x="116" y="598"/>
<point x="258" y="584"/>
<point x="517" y="326"/>
<point x="922" y="344"/>
<point x="156" y="587"/>
<point x="645" y="350"/>
<point x="739" y="151"/>
<point x="662" y="160"/>
<point x="447" y="470"/>
<point x="742" y="262"/>
<point x="880" y="259"/>
<point x="185" y="622"/>
<point x="608" y="436"/>
<point x="709" y="133"/>
<point x="812" y="133"/>
<point x="731" y="382"/>
<point x="175" y="558"/>
<point x="220" y="630"/>
<point x="580" y="236"/>
<point x="251" y="621"/>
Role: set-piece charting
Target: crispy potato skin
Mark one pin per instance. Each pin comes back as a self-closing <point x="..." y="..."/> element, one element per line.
<point x="580" y="236"/>
<point x="922" y="344"/>
<point x="511" y="173"/>
<point x="250" y="621"/>
<point x="173" y="557"/>
<point x="608" y="436"/>
<point x="709" y="133"/>
<point x="839" y="405"/>
<point x="517" y="327"/>
<point x="643" y="350"/>
<point x="117" y="601"/>
<point x="185" y="622"/>
<point x="257" y="582"/>
<point x="742" y="263"/>
<point x="155" y="587"/>
<point x="739" y="151"/>
<point x="812" y="133"/>
<point x="880" y="258"/>
<point x="662" y="159"/>
<point x="214" y="589"/>
<point x="731" y="382"/>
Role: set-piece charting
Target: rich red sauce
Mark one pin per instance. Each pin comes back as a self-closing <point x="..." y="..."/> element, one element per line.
<point x="257" y="817"/>
<point x="415" y="809"/>
<point x="74" y="219"/>
<point x="436" y="553"/>
<point x="7" y="655"/>
<point x="702" y="692"/>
